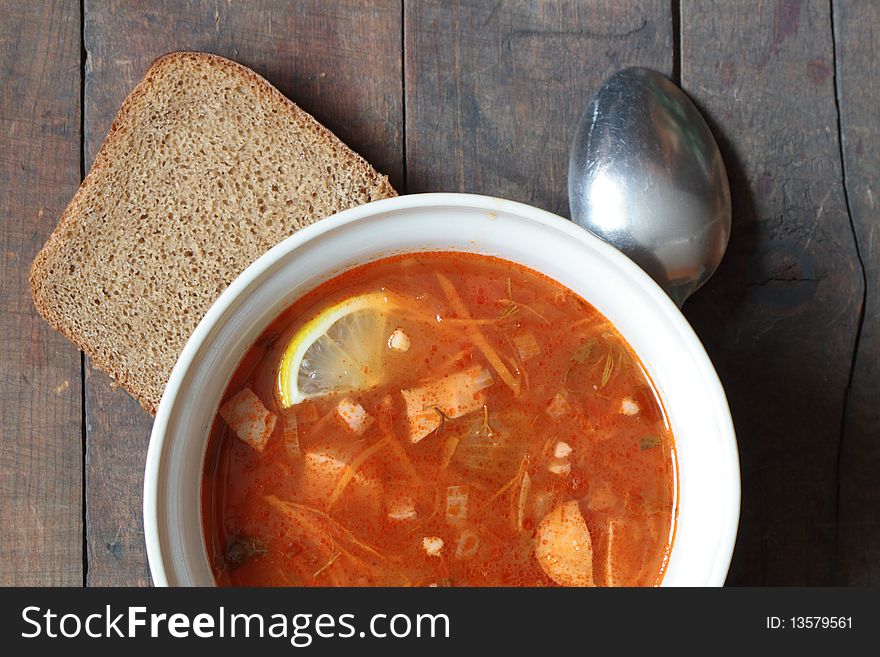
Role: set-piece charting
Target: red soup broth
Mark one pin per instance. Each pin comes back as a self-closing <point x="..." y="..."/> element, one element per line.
<point x="446" y="470"/>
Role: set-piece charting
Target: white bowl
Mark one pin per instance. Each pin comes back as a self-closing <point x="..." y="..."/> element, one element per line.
<point x="708" y="466"/>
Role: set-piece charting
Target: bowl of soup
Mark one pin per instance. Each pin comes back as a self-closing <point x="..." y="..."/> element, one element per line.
<point x="442" y="390"/>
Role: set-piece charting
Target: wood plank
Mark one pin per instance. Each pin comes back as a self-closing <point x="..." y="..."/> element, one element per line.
<point x="40" y="383"/>
<point x="779" y="319"/>
<point x="857" y="38"/>
<point x="339" y="61"/>
<point x="494" y="91"/>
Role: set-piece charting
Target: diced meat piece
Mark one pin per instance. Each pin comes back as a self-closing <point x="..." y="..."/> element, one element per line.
<point x="467" y="545"/>
<point x="629" y="407"/>
<point x="433" y="545"/>
<point x="456" y="504"/>
<point x="564" y="549"/>
<point x="454" y="395"/>
<point x="526" y="345"/>
<point x="399" y="341"/>
<point x="249" y="419"/>
<point x="558" y="406"/>
<point x="353" y="416"/>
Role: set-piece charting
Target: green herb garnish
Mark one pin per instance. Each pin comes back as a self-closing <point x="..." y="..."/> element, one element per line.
<point x="609" y="368"/>
<point x="243" y="549"/>
<point x="649" y="442"/>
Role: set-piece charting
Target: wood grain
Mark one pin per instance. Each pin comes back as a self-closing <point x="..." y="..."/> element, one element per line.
<point x="40" y="391"/>
<point x="339" y="61"/>
<point x="779" y="319"/>
<point x="494" y="91"/>
<point x="857" y="37"/>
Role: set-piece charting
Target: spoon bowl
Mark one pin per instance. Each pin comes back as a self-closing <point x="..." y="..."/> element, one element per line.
<point x="646" y="175"/>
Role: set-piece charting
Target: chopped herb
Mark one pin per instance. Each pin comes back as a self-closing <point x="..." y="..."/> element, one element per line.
<point x="327" y="565"/>
<point x="485" y="428"/>
<point x="508" y="311"/>
<point x="649" y="442"/>
<point x="243" y="549"/>
<point x="567" y="372"/>
<point x="514" y="306"/>
<point x="270" y="340"/>
<point x="443" y="418"/>
<point x="609" y="368"/>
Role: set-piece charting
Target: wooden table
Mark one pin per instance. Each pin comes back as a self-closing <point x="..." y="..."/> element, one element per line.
<point x="484" y="97"/>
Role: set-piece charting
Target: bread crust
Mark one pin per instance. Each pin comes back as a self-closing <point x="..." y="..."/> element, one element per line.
<point x="70" y="220"/>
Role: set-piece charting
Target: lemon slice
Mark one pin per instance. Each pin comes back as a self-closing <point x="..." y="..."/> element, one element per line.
<point x="339" y="350"/>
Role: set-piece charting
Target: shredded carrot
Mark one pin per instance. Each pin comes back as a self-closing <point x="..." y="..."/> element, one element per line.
<point x="449" y="451"/>
<point x="289" y="509"/>
<point x="519" y="375"/>
<point x="404" y="459"/>
<point x="521" y="499"/>
<point x="321" y="424"/>
<point x="352" y="468"/>
<point x="509" y="484"/>
<point x="327" y="565"/>
<point x="477" y="336"/>
<point x="520" y="304"/>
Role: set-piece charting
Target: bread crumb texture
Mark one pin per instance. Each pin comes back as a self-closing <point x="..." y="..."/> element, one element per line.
<point x="206" y="167"/>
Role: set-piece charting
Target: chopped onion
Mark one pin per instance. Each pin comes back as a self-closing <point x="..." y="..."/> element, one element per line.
<point x="456" y="504"/>
<point x="561" y="463"/>
<point x="467" y="545"/>
<point x="558" y="406"/>
<point x="399" y="341"/>
<point x="290" y="436"/>
<point x="560" y="469"/>
<point x="629" y="407"/>
<point x="562" y="450"/>
<point x="432" y="545"/>
<point x="354" y="416"/>
<point x="526" y="345"/>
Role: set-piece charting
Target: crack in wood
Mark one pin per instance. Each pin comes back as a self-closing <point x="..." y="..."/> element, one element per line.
<point x="84" y="435"/>
<point x="835" y="55"/>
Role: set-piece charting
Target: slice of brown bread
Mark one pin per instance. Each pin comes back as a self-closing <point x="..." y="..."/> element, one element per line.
<point x="206" y="166"/>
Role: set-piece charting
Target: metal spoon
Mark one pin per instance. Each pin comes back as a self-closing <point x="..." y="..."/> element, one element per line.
<point x="646" y="175"/>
